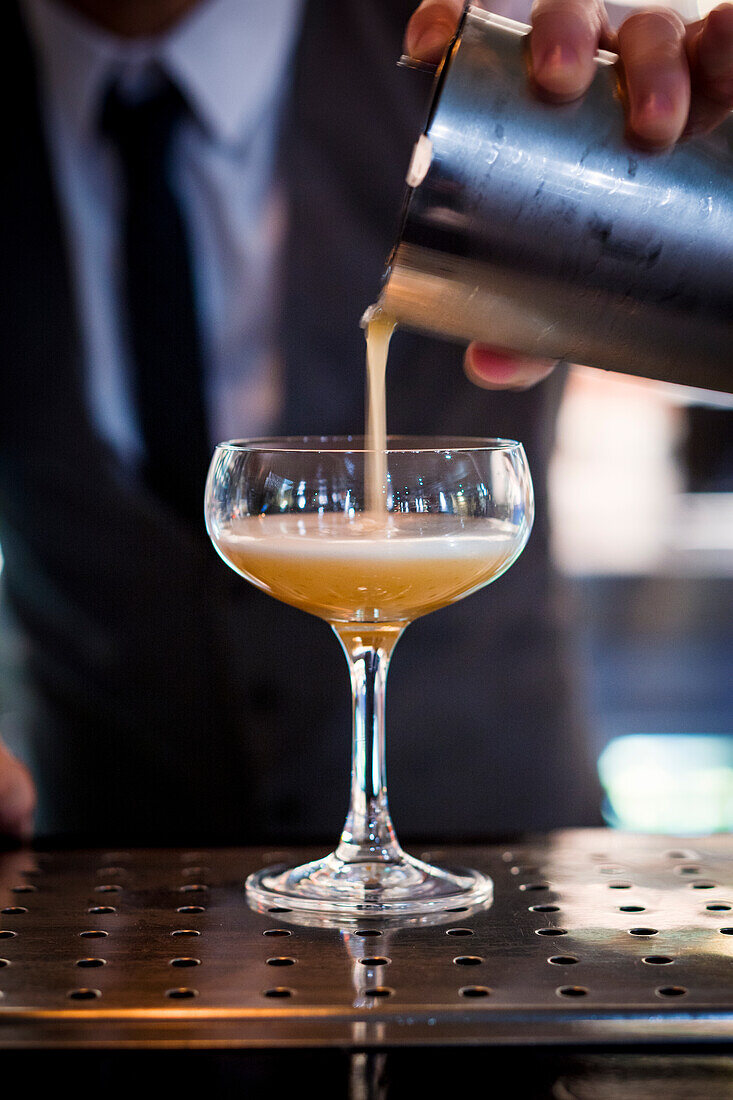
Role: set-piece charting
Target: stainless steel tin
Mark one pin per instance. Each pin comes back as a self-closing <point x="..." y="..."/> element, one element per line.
<point x="539" y="228"/>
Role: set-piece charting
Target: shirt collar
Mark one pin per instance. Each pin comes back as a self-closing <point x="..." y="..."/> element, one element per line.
<point x="227" y="57"/>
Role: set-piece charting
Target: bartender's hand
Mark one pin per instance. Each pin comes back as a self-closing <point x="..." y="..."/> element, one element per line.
<point x="677" y="79"/>
<point x="17" y="797"/>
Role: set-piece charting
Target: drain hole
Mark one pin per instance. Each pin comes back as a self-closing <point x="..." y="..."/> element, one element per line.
<point x="458" y="909"/>
<point x="551" y="931"/>
<point x="84" y="994"/>
<point x="281" y="960"/>
<point x="716" y="907"/>
<point x="632" y="909"/>
<point x="671" y="991"/>
<point x="185" y="932"/>
<point x="278" y="991"/>
<point x="619" y="885"/>
<point x="14" y="910"/>
<point x="365" y="932"/>
<point x="191" y="909"/>
<point x="93" y="934"/>
<point x="723" y="931"/>
<point x="193" y="888"/>
<point x="376" y="960"/>
<point x="459" y="932"/>
<point x="657" y="960"/>
<point x="277" y="932"/>
<point x="544" y="908"/>
<point x="185" y="962"/>
<point x="101" y="909"/>
<point x="25" y="888"/>
<point x="535" y="886"/>
<point x="5" y="934"/>
<point x="475" y="991"/>
<point x="90" y="962"/>
<point x="643" y="931"/>
<point x="703" y="885"/>
<point x="378" y="991"/>
<point x="4" y="962"/>
<point x="468" y="960"/>
<point x="108" y="888"/>
<point x="182" y="993"/>
<point x="279" y="909"/>
<point x="572" y="991"/>
<point x="562" y="960"/>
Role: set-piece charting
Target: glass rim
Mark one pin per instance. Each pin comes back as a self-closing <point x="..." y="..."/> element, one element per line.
<point x="354" y="444"/>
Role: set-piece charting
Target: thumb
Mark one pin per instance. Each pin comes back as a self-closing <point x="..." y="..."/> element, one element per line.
<point x="17" y="796"/>
<point x="431" y="28"/>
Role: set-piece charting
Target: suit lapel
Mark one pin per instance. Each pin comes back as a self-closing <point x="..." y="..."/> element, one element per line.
<point x="39" y="334"/>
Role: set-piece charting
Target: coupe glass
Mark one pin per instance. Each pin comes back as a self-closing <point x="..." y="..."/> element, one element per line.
<point x="293" y="517"/>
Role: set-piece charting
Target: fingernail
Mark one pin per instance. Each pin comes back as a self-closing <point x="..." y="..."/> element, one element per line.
<point x="654" y="106"/>
<point x="430" y="45"/>
<point x="560" y="60"/>
<point x="493" y="366"/>
<point x="651" y="119"/>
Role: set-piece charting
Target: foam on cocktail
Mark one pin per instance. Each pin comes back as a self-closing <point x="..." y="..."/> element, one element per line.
<point x="367" y="568"/>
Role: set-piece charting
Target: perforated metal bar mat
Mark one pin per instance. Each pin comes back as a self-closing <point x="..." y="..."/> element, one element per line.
<point x="593" y="937"/>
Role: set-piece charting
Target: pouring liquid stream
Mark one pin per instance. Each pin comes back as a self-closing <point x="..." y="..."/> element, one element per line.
<point x="379" y="329"/>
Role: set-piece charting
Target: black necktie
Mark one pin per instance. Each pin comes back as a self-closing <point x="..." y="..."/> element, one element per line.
<point x="157" y="300"/>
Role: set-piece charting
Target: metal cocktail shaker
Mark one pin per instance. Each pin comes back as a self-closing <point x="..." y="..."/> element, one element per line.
<point x="538" y="228"/>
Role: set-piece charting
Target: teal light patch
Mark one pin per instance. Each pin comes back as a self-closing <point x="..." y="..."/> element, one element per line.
<point x="669" y="783"/>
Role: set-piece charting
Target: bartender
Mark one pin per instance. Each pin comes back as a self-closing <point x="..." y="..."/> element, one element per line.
<point x="197" y="210"/>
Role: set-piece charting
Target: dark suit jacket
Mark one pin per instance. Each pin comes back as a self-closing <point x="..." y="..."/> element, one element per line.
<point x="162" y="698"/>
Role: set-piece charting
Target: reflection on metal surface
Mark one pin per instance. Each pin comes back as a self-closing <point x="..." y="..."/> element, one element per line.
<point x="407" y="62"/>
<point x="630" y="939"/>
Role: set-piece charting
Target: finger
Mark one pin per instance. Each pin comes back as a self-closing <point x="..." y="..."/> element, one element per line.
<point x="431" y="28"/>
<point x="17" y="796"/>
<point x="495" y="369"/>
<point x="563" y="43"/>
<point x="656" y="75"/>
<point x="710" y="55"/>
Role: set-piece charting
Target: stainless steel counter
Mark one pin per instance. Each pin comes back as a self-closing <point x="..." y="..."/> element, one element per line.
<point x="594" y="939"/>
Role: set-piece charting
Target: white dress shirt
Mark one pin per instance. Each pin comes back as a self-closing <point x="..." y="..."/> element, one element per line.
<point x="230" y="60"/>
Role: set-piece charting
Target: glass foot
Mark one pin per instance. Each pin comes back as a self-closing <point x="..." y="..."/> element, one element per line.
<point x="370" y="888"/>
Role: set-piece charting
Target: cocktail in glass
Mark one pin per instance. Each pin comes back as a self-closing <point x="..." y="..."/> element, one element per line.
<point x="296" y="519"/>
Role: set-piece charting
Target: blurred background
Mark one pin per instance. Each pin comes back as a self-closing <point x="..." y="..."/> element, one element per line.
<point x="641" y="490"/>
<point x="641" y="502"/>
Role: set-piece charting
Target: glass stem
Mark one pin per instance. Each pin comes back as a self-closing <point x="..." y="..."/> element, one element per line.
<point x="368" y="834"/>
